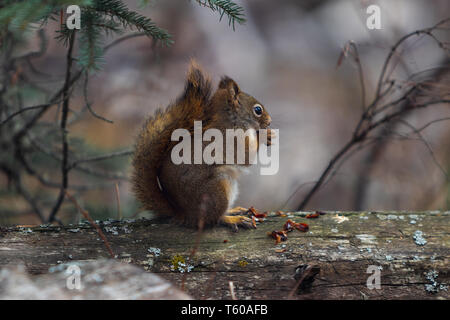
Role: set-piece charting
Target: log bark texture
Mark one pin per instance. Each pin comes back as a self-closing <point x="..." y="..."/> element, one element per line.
<point x="411" y="251"/>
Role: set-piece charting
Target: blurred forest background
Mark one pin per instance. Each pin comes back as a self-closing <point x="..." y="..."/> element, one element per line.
<point x="286" y="55"/>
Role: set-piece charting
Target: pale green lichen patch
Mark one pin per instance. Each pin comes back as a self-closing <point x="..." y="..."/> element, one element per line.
<point x="180" y="264"/>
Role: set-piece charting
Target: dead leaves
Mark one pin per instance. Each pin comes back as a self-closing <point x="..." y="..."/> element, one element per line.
<point x="288" y="227"/>
<point x="278" y="236"/>
<point x="291" y="225"/>
<point x="252" y="212"/>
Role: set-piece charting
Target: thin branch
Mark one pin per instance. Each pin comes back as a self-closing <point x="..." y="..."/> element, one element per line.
<point x="402" y="111"/>
<point x="101" y="157"/>
<point x="19" y="141"/>
<point x="359" y="66"/>
<point x="399" y="42"/>
<point x="35" y="54"/>
<point x="326" y="172"/>
<point x="22" y="191"/>
<point x="78" y="167"/>
<point x="65" y="150"/>
<point x="119" y="212"/>
<point x="123" y="38"/>
<point x="100" y="173"/>
<point x="403" y="98"/>
<point x="427" y="145"/>
<point x="367" y="122"/>
<point x="363" y="145"/>
<point x="438" y="74"/>
<point x="52" y="102"/>
<point x="55" y="97"/>
<point x="29" y="169"/>
<point x="88" y="105"/>
<point x="92" y="222"/>
<point x="28" y="109"/>
<point x="51" y="184"/>
<point x="432" y="122"/>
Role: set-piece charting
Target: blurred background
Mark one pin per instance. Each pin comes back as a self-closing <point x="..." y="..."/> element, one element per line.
<point x="286" y="55"/>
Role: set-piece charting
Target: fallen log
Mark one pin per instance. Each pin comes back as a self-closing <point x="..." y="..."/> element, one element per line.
<point x="343" y="255"/>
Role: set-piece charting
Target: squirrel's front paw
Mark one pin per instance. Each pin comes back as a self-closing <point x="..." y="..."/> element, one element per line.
<point x="234" y="222"/>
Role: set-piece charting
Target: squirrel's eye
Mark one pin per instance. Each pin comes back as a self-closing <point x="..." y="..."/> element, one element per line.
<point x="257" y="110"/>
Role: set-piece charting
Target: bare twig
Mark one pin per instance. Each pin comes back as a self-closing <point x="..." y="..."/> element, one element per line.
<point x="18" y="144"/>
<point x="101" y="157"/>
<point x="64" y="89"/>
<point x="41" y="112"/>
<point x="65" y="151"/>
<point x="92" y="222"/>
<point x="35" y="54"/>
<point x="399" y="42"/>
<point x="27" y="109"/>
<point x="123" y="38"/>
<point x="431" y="122"/>
<point x="355" y="55"/>
<point x="435" y="75"/>
<point x="377" y="114"/>
<point x="21" y="190"/>
<point x="94" y="172"/>
<point x="427" y="145"/>
<point x="119" y="212"/>
<point x="325" y="173"/>
<point x="88" y="105"/>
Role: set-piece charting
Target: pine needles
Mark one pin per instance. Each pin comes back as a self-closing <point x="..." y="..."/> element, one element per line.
<point x="234" y="12"/>
<point x="99" y="18"/>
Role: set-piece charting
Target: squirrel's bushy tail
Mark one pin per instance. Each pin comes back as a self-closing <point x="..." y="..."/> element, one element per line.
<point x="154" y="142"/>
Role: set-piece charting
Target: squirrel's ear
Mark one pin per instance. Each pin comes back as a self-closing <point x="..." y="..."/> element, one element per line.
<point x="230" y="85"/>
<point x="198" y="84"/>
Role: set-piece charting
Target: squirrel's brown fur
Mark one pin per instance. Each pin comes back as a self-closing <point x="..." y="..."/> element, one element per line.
<point x="166" y="188"/>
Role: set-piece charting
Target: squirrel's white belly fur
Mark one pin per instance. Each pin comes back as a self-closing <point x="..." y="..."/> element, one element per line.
<point x="231" y="173"/>
<point x="234" y="192"/>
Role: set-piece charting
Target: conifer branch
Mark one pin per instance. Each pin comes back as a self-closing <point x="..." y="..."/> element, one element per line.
<point x="234" y="12"/>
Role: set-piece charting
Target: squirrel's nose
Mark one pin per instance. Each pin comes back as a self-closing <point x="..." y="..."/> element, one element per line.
<point x="269" y="120"/>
